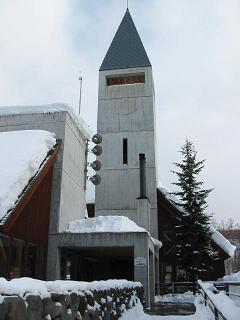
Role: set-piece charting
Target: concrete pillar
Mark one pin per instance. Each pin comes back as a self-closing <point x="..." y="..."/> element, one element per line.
<point x="152" y="276"/>
<point x="141" y="264"/>
<point x="53" y="259"/>
<point x="143" y="213"/>
<point x="157" y="274"/>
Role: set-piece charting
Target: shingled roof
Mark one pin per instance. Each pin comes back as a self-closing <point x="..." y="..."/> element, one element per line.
<point x="126" y="49"/>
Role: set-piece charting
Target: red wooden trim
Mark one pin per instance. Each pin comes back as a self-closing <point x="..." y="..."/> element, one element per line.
<point x="16" y="212"/>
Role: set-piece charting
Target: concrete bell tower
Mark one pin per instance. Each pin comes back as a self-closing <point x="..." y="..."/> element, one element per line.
<point x="126" y="121"/>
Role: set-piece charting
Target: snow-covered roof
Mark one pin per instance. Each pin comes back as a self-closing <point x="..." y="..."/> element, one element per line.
<point x="113" y="224"/>
<point x="216" y="236"/>
<point x="170" y="196"/>
<point x="49" y="108"/>
<point x="222" y="242"/>
<point x="22" y="154"/>
<point x="104" y="224"/>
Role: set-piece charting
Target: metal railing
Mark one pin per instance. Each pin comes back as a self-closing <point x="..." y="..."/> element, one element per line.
<point x="177" y="287"/>
<point x="220" y="286"/>
<point x="208" y="301"/>
<point x="181" y="287"/>
<point x="225" y="286"/>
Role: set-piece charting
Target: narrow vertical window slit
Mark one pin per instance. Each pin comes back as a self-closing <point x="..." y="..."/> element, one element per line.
<point x="125" y="151"/>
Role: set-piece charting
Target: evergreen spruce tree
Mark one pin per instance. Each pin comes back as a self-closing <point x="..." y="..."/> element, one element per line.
<point x="193" y="235"/>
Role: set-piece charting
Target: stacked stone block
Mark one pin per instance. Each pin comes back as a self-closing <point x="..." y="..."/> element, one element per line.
<point x="77" y="305"/>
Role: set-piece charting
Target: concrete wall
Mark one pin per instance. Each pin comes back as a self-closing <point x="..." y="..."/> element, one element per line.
<point x="68" y="195"/>
<point x="72" y="205"/>
<point x="126" y="111"/>
<point x="141" y="243"/>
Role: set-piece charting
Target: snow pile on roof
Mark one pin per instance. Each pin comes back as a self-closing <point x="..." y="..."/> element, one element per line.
<point x="156" y="242"/>
<point x="104" y="224"/>
<point x="22" y="153"/>
<point x="222" y="242"/>
<point x="216" y="236"/>
<point x="170" y="196"/>
<point x="50" y="108"/>
<point x="22" y="286"/>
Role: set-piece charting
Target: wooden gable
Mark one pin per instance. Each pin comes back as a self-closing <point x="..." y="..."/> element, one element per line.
<point x="29" y="220"/>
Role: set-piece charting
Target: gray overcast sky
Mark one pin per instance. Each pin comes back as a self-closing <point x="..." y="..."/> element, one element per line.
<point x="194" y="49"/>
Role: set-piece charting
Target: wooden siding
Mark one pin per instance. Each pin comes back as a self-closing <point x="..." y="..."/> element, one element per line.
<point x="167" y="220"/>
<point x="29" y="220"/>
<point x="32" y="225"/>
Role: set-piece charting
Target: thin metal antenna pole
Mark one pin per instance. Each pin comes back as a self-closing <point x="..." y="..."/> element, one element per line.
<point x="127" y="4"/>
<point x="80" y="94"/>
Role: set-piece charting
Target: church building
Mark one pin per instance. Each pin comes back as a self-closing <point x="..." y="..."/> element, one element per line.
<point x="126" y="122"/>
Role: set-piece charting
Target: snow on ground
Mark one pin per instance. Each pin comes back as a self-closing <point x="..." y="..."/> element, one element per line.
<point x="104" y="224"/>
<point x="22" y="286"/>
<point x="137" y="313"/>
<point x="49" y="108"/>
<point x="22" y="153"/>
<point x="176" y="298"/>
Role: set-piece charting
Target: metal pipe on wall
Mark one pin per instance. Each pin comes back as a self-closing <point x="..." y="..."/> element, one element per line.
<point x="142" y="168"/>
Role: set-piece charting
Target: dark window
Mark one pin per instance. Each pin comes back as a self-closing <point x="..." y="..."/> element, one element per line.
<point x="4" y="253"/>
<point x="30" y="266"/>
<point x="125" y="151"/>
<point x="126" y="79"/>
<point x="17" y="259"/>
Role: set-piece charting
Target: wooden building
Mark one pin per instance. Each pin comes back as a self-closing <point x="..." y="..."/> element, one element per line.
<point x="167" y="220"/>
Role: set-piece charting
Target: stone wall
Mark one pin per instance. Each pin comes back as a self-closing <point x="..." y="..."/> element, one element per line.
<point x="85" y="305"/>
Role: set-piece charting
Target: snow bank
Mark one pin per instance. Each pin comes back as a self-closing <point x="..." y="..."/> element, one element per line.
<point x="22" y="153"/>
<point x="222" y="242"/>
<point x="23" y="286"/>
<point x="50" y="108"/>
<point x="104" y="224"/>
<point x="67" y="285"/>
<point x="232" y="277"/>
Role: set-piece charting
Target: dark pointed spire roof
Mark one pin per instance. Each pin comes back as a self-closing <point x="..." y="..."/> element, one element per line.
<point x="126" y="49"/>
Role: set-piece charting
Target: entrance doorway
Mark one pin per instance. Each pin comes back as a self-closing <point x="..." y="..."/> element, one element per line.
<point x="97" y="264"/>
